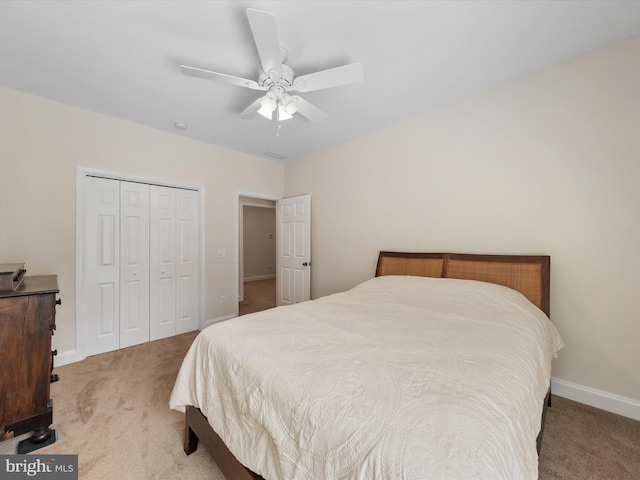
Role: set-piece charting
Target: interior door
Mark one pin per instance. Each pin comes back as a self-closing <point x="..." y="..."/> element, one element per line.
<point x="293" y="256"/>
<point x="134" y="264"/>
<point x="187" y="261"/>
<point x="101" y="265"/>
<point x="162" y="250"/>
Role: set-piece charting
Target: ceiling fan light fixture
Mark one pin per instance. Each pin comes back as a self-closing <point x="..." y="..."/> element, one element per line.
<point x="283" y="114"/>
<point x="290" y="105"/>
<point x="278" y="79"/>
<point x="268" y="103"/>
<point x="265" y="112"/>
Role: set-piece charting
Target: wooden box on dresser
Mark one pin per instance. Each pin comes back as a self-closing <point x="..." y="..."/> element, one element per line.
<point x="27" y="321"/>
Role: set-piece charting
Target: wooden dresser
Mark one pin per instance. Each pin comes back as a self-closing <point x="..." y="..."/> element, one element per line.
<point x="27" y="321"/>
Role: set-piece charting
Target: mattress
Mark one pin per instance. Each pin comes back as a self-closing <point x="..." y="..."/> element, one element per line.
<point x="400" y="377"/>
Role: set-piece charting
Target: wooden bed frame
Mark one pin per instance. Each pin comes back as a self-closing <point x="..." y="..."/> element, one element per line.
<point x="528" y="274"/>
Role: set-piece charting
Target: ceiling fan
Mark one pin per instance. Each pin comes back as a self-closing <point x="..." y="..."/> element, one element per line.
<point x="277" y="79"/>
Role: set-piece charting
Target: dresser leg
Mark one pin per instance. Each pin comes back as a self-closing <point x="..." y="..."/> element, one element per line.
<point x="41" y="435"/>
<point x="39" y="439"/>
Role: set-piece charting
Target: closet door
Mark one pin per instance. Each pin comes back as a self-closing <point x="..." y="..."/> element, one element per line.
<point x="163" y="250"/>
<point x="134" y="263"/>
<point x="187" y="261"/>
<point x="101" y="265"/>
<point x="140" y="263"/>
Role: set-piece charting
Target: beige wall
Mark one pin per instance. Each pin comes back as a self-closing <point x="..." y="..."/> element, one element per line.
<point x="546" y="164"/>
<point x="42" y="142"/>
<point x="259" y="242"/>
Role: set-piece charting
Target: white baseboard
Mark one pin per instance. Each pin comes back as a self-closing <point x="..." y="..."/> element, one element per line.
<point x="610" y="402"/>
<point x="259" y="277"/>
<point x="65" y="358"/>
<point x="211" y="321"/>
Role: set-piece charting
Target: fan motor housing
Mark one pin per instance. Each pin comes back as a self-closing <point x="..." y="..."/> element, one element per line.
<point x="271" y="79"/>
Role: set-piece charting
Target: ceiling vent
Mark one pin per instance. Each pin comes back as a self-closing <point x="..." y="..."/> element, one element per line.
<point x="277" y="156"/>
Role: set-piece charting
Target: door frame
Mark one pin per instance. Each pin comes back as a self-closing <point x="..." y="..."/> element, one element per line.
<point x="239" y="273"/>
<point x="81" y="174"/>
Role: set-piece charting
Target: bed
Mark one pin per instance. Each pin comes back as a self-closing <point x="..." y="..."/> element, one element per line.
<point x="438" y="367"/>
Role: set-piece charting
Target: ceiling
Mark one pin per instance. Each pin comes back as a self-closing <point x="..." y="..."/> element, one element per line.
<point x="121" y="58"/>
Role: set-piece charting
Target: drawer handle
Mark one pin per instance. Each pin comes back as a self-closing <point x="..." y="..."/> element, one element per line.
<point x="54" y="376"/>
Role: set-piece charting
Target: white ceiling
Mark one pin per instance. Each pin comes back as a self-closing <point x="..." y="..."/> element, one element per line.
<point x="120" y="58"/>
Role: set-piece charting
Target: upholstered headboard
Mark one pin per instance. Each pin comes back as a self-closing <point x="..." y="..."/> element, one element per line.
<point x="528" y="274"/>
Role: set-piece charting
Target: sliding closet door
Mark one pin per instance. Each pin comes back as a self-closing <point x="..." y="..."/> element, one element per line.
<point x="101" y="265"/>
<point x="163" y="252"/>
<point x="134" y="263"/>
<point x="187" y="261"/>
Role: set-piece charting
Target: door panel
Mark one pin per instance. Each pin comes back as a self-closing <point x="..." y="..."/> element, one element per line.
<point x="294" y="250"/>
<point x="163" y="262"/>
<point x="188" y="261"/>
<point x="300" y="240"/>
<point x="185" y="311"/>
<point x="299" y="286"/>
<point x="283" y="283"/>
<point x="134" y="264"/>
<point x="130" y="319"/>
<point x="101" y="266"/>
<point x="108" y="320"/>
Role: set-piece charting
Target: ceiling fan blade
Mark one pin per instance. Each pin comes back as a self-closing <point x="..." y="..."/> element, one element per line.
<point x="252" y="109"/>
<point x="333" y="77"/>
<point x="209" y="75"/>
<point x="265" y="34"/>
<point x="309" y="110"/>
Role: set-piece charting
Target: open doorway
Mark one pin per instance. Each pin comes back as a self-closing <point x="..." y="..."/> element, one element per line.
<point x="257" y="254"/>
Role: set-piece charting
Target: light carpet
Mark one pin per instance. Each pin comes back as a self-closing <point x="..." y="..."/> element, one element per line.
<point x="113" y="411"/>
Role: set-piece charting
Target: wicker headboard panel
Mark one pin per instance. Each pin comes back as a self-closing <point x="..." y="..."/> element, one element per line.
<point x="417" y="264"/>
<point x="528" y="274"/>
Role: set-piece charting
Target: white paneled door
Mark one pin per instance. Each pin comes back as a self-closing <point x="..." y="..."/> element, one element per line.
<point x="163" y="262"/>
<point x="101" y="264"/>
<point x="140" y="263"/>
<point x="174" y="257"/>
<point x="293" y="256"/>
<point x="134" y="263"/>
<point x="188" y="283"/>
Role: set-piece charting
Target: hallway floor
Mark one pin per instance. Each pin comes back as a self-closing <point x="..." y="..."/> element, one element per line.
<point x="259" y="295"/>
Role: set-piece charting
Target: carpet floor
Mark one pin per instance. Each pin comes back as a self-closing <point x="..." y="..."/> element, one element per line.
<point x="112" y="410"/>
<point x="258" y="295"/>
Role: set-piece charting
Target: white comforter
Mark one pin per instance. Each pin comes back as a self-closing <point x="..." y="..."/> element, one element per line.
<point x="398" y="378"/>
